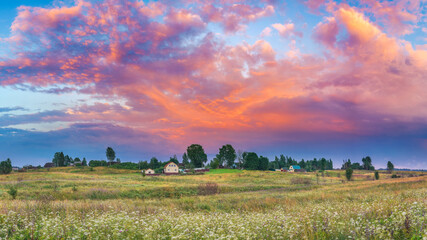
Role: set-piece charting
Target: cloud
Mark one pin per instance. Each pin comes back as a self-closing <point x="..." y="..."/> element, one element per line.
<point x="266" y="32"/>
<point x="11" y="109"/>
<point x="159" y="76"/>
<point x="286" y="30"/>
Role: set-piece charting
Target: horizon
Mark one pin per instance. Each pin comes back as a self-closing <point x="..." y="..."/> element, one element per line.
<point x="306" y="79"/>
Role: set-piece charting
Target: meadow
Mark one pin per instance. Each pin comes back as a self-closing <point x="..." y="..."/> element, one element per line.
<point x="106" y="203"/>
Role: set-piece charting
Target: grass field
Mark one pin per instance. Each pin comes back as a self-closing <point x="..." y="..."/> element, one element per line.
<point x="77" y="203"/>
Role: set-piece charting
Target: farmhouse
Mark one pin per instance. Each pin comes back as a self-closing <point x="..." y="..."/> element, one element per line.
<point x="149" y="171"/>
<point x="171" y="168"/>
<point x="294" y="168"/>
<point x="49" y="165"/>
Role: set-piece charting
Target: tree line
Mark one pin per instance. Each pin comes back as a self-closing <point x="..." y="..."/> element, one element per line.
<point x="62" y="161"/>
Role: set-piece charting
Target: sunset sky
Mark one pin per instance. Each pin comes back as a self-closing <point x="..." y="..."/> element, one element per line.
<point x="334" y="79"/>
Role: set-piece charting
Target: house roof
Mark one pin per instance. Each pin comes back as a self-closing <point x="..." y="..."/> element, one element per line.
<point x="296" y="167"/>
<point x="169" y="163"/>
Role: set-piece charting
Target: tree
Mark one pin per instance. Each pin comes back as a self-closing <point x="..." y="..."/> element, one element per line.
<point x="143" y="165"/>
<point x="67" y="160"/>
<point x="346" y="164"/>
<point x="197" y="155"/>
<point x="154" y="163"/>
<point x="367" y="163"/>
<point x="6" y="167"/>
<point x="349" y="173"/>
<point x="390" y="166"/>
<point x="84" y="162"/>
<point x="323" y="164"/>
<point x="239" y="159"/>
<point x="227" y="155"/>
<point x="77" y="159"/>
<point x="262" y="163"/>
<point x="251" y="161"/>
<point x="111" y="155"/>
<point x="185" y="160"/>
<point x="377" y="175"/>
<point x="59" y="159"/>
<point x="174" y="159"/>
<point x="302" y="164"/>
<point x="215" y="163"/>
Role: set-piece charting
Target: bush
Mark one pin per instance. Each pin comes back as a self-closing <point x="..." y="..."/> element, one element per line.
<point x="348" y="173"/>
<point x="377" y="175"/>
<point x="395" y="176"/>
<point x="97" y="163"/>
<point x="13" y="191"/>
<point x="209" y="188"/>
<point x="6" y="167"/>
<point x="305" y="181"/>
<point x="126" y="165"/>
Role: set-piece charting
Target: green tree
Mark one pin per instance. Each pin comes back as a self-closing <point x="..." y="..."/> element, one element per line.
<point x="227" y="155"/>
<point x="143" y="165"/>
<point x="262" y="163"/>
<point x="239" y="159"/>
<point x="59" y="159"/>
<point x="174" y="159"/>
<point x="197" y="155"/>
<point x="84" y="162"/>
<point x="302" y="164"/>
<point x="154" y="163"/>
<point x="67" y="160"/>
<point x="377" y="175"/>
<point x="251" y="161"/>
<point x="323" y="164"/>
<point x="111" y="155"/>
<point x="215" y="163"/>
<point x="6" y="167"/>
<point x="349" y="173"/>
<point x="346" y="164"/>
<point x="367" y="163"/>
<point x="185" y="160"/>
<point x="77" y="159"/>
<point x="390" y="166"/>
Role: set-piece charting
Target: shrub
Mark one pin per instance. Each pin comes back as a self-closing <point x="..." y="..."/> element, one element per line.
<point x="377" y="175"/>
<point x="395" y="176"/>
<point x="348" y="173"/>
<point x="126" y="165"/>
<point x="13" y="191"/>
<point x="209" y="188"/>
<point x="305" y="181"/>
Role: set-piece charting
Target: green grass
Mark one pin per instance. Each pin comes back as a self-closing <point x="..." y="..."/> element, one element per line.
<point x="224" y="170"/>
<point x="69" y="203"/>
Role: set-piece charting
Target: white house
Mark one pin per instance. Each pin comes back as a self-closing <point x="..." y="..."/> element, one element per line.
<point x="294" y="167"/>
<point x="171" y="168"/>
<point x="149" y="171"/>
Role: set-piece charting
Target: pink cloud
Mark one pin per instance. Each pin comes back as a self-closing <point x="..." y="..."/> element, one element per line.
<point x="286" y="30"/>
<point x="178" y="81"/>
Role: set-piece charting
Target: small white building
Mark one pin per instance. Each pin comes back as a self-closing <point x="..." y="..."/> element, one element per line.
<point x="149" y="171"/>
<point x="294" y="168"/>
<point x="171" y="168"/>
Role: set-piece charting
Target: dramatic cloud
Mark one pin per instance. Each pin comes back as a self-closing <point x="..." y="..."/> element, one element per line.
<point x="168" y="74"/>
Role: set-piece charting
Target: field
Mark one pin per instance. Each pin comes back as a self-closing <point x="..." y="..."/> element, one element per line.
<point x="105" y="203"/>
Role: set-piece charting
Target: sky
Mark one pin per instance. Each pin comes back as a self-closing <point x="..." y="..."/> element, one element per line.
<point x="307" y="79"/>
